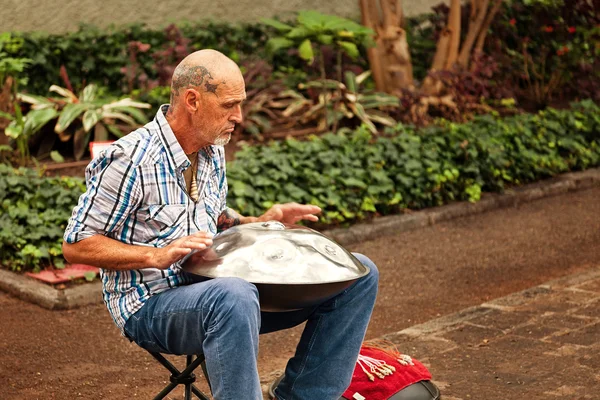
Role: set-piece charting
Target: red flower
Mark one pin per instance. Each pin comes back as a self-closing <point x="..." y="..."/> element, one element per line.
<point x="513" y="22"/>
<point x="549" y="29"/>
<point x="572" y="29"/>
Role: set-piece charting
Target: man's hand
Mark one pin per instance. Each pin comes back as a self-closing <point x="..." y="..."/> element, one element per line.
<point x="164" y="257"/>
<point x="290" y="213"/>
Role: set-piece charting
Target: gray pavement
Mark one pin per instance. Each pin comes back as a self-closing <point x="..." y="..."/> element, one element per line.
<point x="541" y="343"/>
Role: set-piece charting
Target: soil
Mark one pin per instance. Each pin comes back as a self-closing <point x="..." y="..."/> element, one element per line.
<point x="425" y="273"/>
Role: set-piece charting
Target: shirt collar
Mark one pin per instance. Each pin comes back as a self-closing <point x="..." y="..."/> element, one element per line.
<point x="175" y="153"/>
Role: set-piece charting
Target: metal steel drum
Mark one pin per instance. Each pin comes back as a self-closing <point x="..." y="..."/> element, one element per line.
<point x="291" y="265"/>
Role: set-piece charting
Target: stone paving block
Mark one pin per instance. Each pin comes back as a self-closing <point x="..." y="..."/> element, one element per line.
<point x="590" y="310"/>
<point x="420" y="348"/>
<point x="534" y="331"/>
<point x="471" y="335"/>
<point x="593" y="286"/>
<point x="586" y="336"/>
<point x="503" y="320"/>
<point x="562" y="321"/>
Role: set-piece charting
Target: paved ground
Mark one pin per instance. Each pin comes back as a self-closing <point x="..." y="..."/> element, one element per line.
<point x="427" y="273"/>
<point x="541" y="343"/>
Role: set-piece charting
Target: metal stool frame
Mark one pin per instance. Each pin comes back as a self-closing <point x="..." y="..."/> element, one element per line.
<point x="185" y="377"/>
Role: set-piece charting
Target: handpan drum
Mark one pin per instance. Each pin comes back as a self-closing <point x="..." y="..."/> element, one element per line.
<point x="292" y="266"/>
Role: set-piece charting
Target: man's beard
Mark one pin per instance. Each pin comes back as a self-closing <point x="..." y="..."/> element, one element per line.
<point x="223" y="139"/>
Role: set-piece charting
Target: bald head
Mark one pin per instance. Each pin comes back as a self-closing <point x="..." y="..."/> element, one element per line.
<point x="205" y="71"/>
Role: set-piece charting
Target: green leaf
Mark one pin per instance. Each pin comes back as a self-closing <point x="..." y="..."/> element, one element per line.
<point x="56" y="157"/>
<point x="13" y="130"/>
<point x="313" y="20"/>
<point x="89" y="276"/>
<point x="66" y="93"/>
<point x="37" y="102"/>
<point x="306" y="51"/>
<point x="89" y="93"/>
<point x="278" y="43"/>
<point x="299" y="32"/>
<point x="69" y="114"/>
<point x="36" y="119"/>
<point x="280" y="26"/>
<point x="138" y="115"/>
<point x="126" y="102"/>
<point x="90" y="119"/>
<point x="349" y="48"/>
<point x="325" y="39"/>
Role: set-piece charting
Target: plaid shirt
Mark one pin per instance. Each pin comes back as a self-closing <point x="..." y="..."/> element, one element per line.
<point x="136" y="194"/>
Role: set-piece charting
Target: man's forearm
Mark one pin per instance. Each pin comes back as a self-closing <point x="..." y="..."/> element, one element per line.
<point x="103" y="252"/>
<point x="230" y="217"/>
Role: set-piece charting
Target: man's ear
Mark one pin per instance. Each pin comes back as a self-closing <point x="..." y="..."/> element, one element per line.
<point x="192" y="100"/>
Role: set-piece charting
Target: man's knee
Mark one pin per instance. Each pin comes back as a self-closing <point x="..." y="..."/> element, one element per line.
<point x="366" y="261"/>
<point x="236" y="296"/>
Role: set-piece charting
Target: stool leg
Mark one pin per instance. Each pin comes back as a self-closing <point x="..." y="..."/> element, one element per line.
<point x="165" y="391"/>
<point x="199" y="394"/>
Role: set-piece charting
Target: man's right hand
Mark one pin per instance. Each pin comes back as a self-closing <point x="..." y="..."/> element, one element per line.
<point x="166" y="256"/>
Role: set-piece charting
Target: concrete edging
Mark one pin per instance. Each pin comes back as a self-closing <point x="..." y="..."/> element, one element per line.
<point x="49" y="297"/>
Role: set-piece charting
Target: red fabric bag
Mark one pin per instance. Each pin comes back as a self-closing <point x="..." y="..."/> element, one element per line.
<point x="382" y="387"/>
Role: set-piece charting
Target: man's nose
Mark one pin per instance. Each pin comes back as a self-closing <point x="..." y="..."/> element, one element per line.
<point x="236" y="116"/>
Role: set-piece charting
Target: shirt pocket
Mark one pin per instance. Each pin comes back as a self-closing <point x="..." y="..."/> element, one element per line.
<point x="167" y="221"/>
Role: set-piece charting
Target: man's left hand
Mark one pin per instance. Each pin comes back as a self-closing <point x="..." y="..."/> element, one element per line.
<point x="290" y="213"/>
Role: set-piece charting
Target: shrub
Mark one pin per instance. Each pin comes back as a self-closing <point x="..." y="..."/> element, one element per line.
<point x="352" y="175"/>
<point x="34" y="211"/>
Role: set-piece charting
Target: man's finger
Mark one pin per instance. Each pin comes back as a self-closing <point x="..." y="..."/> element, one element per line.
<point x="302" y="208"/>
<point x="202" y="234"/>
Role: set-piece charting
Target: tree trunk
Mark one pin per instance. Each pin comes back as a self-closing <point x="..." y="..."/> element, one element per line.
<point x="392" y="70"/>
<point x="486" y="26"/>
<point x="454" y="28"/>
<point x="370" y="19"/>
<point x="475" y="24"/>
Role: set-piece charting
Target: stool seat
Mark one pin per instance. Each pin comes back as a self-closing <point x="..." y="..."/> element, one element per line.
<point x="185" y="377"/>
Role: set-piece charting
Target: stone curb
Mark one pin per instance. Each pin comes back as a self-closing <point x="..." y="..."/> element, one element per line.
<point x="49" y="297"/>
<point x="394" y="224"/>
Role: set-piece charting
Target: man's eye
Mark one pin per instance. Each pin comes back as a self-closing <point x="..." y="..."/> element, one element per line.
<point x="228" y="106"/>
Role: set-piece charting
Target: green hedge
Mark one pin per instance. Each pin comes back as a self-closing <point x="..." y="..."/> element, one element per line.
<point x="352" y="176"/>
<point x="92" y="55"/>
<point x="34" y="212"/>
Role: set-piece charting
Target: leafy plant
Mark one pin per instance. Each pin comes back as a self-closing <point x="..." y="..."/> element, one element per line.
<point x="352" y="175"/>
<point x="549" y="49"/>
<point x="313" y="30"/>
<point x="34" y="211"/>
<point x="337" y="101"/>
<point x="78" y="116"/>
<point x="11" y="76"/>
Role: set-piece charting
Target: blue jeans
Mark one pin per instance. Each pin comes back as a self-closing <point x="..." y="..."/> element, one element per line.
<point x="221" y="318"/>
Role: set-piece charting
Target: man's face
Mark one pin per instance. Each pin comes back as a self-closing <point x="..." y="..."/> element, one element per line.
<point x="221" y="109"/>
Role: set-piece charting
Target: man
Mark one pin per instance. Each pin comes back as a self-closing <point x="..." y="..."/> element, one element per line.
<point x="158" y="194"/>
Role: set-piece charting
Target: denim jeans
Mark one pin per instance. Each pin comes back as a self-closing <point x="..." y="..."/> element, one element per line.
<point x="221" y="318"/>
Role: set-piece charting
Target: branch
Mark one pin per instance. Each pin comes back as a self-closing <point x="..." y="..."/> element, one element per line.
<point x="474" y="29"/>
<point x="454" y="28"/>
<point x="486" y="27"/>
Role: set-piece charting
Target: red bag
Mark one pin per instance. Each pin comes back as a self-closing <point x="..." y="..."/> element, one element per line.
<point x="380" y="374"/>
